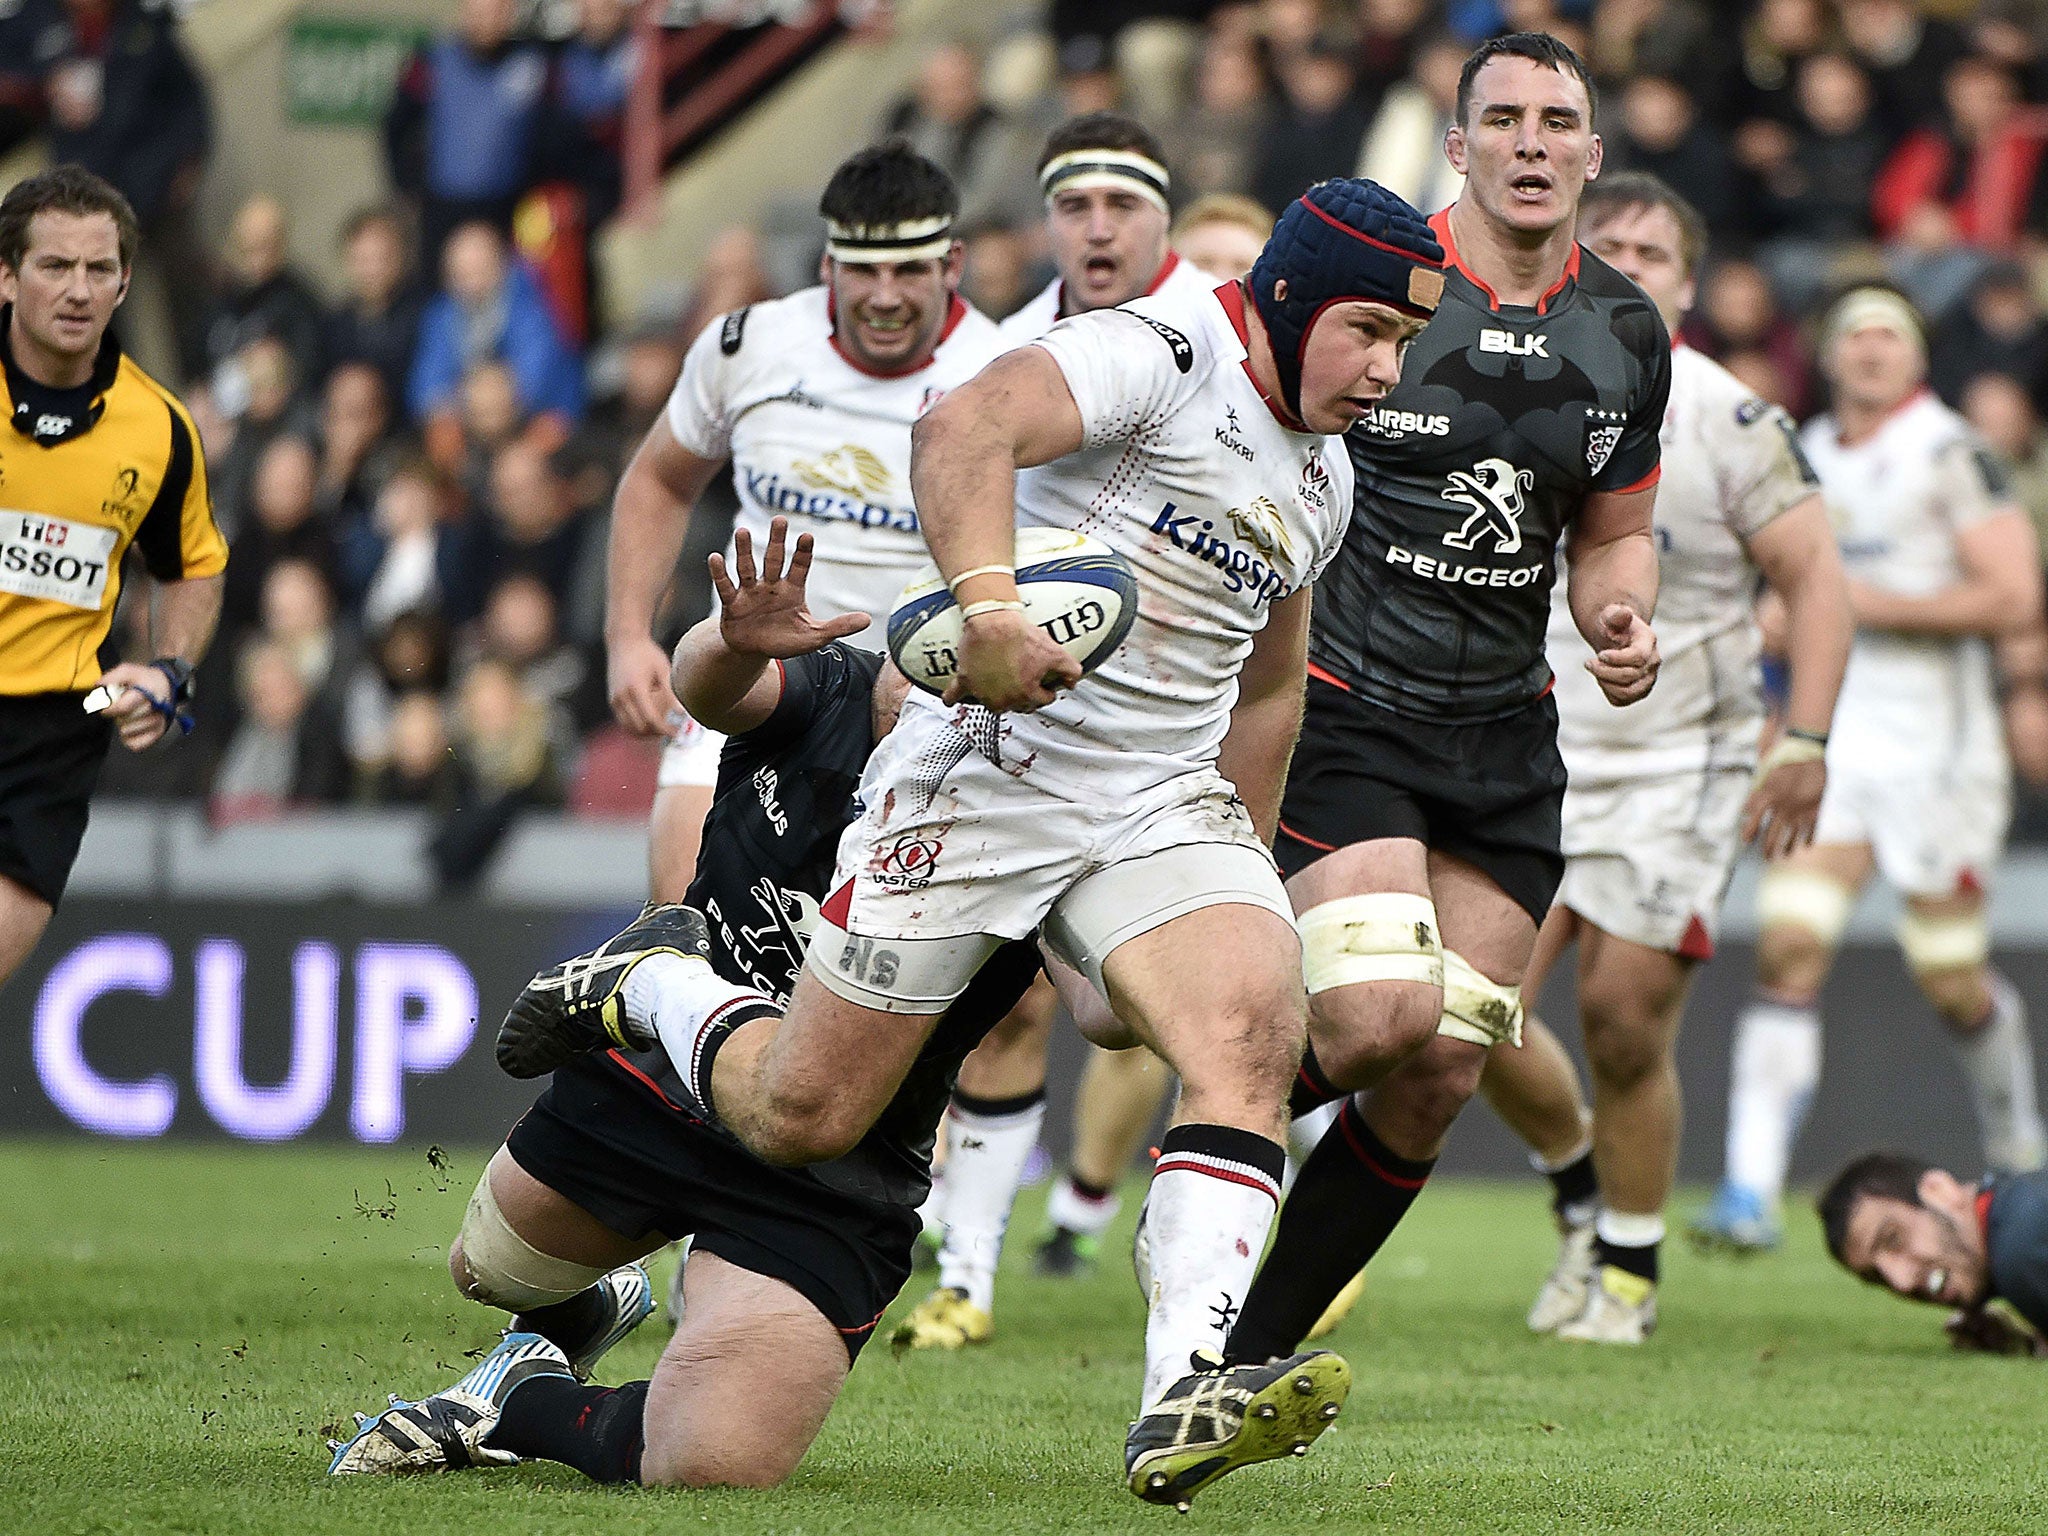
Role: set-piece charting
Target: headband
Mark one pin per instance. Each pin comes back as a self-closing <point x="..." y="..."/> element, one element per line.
<point x="1124" y="169"/>
<point x="910" y="240"/>
<point x="1866" y="307"/>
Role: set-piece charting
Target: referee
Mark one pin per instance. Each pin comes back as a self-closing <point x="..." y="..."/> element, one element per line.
<point x="95" y="456"/>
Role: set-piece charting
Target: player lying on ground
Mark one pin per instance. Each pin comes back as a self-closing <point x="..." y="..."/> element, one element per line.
<point x="1420" y="831"/>
<point x="1664" y="794"/>
<point x="1128" y="816"/>
<point x="790" y="1267"/>
<point x="1942" y="563"/>
<point x="1921" y="1232"/>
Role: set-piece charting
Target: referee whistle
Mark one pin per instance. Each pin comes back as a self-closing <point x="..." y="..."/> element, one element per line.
<point x="102" y="698"/>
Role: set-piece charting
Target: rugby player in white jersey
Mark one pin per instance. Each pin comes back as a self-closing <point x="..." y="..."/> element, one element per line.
<point x="811" y="398"/>
<point x="1942" y="564"/>
<point x="1663" y="794"/>
<point x="1106" y="222"/>
<point x="1124" y="814"/>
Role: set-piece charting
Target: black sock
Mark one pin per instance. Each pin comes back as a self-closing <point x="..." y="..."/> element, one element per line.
<point x="993" y="1109"/>
<point x="1312" y="1089"/>
<point x="1350" y="1195"/>
<point x="568" y="1325"/>
<point x="597" y="1430"/>
<point x="1087" y="1190"/>
<point x="698" y="1077"/>
<point x="1637" y="1261"/>
<point x="1575" y="1189"/>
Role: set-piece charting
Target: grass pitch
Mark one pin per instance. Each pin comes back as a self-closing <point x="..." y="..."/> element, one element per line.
<point x="183" y="1328"/>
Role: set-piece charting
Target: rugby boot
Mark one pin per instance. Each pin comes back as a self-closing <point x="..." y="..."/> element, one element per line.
<point x="1563" y="1296"/>
<point x="1222" y="1417"/>
<point x="1621" y="1308"/>
<point x="1737" y="1222"/>
<point x="946" y="1319"/>
<point x="627" y="1296"/>
<point x="1340" y="1307"/>
<point x="1065" y="1254"/>
<point x="445" y="1432"/>
<point x="580" y="1005"/>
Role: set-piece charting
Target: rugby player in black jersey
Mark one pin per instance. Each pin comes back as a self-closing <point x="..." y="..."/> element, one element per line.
<point x="790" y="1267"/>
<point x="1420" y="828"/>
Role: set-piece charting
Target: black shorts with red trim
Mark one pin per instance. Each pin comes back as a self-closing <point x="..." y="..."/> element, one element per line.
<point x="1490" y="792"/>
<point x="605" y="1136"/>
<point x="51" y="752"/>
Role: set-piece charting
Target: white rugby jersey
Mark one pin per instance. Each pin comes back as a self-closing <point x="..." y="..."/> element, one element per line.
<point x="1897" y="501"/>
<point x="1731" y="464"/>
<point x="1186" y="470"/>
<point x="819" y="439"/>
<point x="1174" y="277"/>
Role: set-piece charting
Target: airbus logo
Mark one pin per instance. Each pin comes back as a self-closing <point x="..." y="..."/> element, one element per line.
<point x="1512" y="345"/>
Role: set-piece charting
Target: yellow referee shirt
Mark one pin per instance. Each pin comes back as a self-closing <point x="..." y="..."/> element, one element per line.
<point x="129" y="471"/>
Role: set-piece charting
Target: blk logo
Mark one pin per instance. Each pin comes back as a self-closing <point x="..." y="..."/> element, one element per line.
<point x="1511" y="345"/>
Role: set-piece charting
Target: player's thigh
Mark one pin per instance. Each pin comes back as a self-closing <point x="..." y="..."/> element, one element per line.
<point x="1803" y="905"/>
<point x="1217" y="993"/>
<point x="23" y="917"/>
<point x="554" y="1223"/>
<point x="1561" y="929"/>
<point x="1010" y="1060"/>
<point x="744" y="1385"/>
<point x="675" y="830"/>
<point x="1372" y="953"/>
<point x="1631" y="998"/>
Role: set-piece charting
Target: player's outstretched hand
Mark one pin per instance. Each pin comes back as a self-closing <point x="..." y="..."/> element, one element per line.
<point x="1983" y="1330"/>
<point x="1781" y="811"/>
<point x="1626" y="667"/>
<point x="1007" y="663"/>
<point x="137" y="708"/>
<point x="761" y="612"/>
<point x="636" y="682"/>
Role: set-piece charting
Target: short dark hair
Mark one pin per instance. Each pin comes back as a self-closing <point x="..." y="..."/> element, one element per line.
<point x="1550" y="51"/>
<point x="1101" y="130"/>
<point x="375" y="213"/>
<point x="888" y="183"/>
<point x="1873" y="1176"/>
<point x="1628" y="190"/>
<point x="64" y="189"/>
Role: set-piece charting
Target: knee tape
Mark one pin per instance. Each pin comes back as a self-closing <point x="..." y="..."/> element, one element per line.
<point x="1948" y="943"/>
<point x="1804" y="899"/>
<point x="508" y="1271"/>
<point x="1476" y="1009"/>
<point x="1385" y="936"/>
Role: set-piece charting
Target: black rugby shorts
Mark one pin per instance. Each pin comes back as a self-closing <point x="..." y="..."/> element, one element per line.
<point x="606" y="1137"/>
<point x="51" y="752"/>
<point x="1489" y="792"/>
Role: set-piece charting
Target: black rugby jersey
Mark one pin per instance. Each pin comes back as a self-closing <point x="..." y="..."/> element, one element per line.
<point x="1467" y="476"/>
<point x="785" y="793"/>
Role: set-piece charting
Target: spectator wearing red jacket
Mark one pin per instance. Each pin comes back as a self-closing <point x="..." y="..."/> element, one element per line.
<point x="1976" y="179"/>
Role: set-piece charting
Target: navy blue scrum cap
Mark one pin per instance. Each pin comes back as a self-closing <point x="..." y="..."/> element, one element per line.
<point x="1343" y="239"/>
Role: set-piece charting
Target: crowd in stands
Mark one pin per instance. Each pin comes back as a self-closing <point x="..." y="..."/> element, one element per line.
<point x="415" y="471"/>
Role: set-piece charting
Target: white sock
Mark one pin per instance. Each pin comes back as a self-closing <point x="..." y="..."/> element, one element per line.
<point x="1089" y="1215"/>
<point x="1620" y="1229"/>
<point x="1998" y="1060"/>
<point x="987" y="1146"/>
<point x="1305" y="1132"/>
<point x="1777" y="1067"/>
<point x="684" y="1002"/>
<point x="1213" y="1195"/>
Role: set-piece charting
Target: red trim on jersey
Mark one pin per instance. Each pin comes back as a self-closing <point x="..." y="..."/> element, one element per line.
<point x="1900" y="409"/>
<point x="1441" y="223"/>
<point x="1231" y="296"/>
<point x="1326" y="847"/>
<point x="866" y="1327"/>
<point x="1698" y="944"/>
<point x="1982" y="1206"/>
<point x="1968" y="883"/>
<point x="1326" y="676"/>
<point x="956" y="311"/>
<point x="1228" y="1175"/>
<point x="1641" y="485"/>
<point x="838" y="906"/>
<point x="1059" y="308"/>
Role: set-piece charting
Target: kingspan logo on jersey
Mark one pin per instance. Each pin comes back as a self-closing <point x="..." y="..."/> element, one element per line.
<point x="1493" y="490"/>
<point x="841" y="485"/>
<point x="1243" y="569"/>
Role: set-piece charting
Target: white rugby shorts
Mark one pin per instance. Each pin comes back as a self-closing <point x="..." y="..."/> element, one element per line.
<point x="952" y="854"/>
<point x="1933" y="827"/>
<point x="1649" y="860"/>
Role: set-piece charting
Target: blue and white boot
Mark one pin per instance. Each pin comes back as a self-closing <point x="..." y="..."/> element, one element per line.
<point x="445" y="1432"/>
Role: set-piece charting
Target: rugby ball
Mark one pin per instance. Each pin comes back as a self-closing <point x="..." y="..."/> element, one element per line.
<point x="1075" y="587"/>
